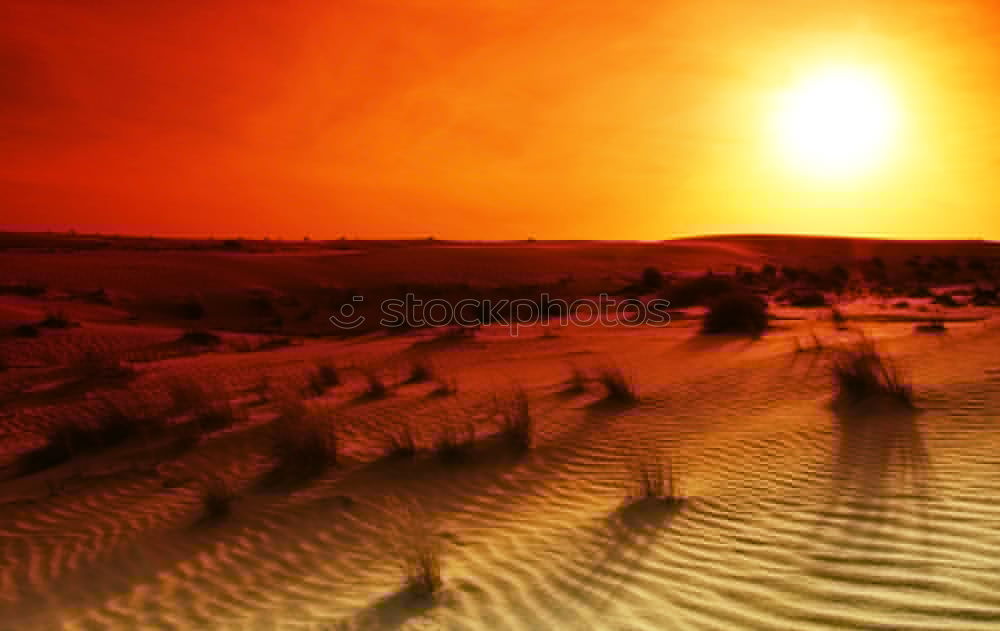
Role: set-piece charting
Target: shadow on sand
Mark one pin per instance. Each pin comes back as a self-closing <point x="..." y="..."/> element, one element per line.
<point x="631" y="530"/>
<point x="881" y="477"/>
<point x="390" y="612"/>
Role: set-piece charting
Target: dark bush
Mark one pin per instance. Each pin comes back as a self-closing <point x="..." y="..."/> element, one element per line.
<point x="698" y="291"/>
<point x="652" y="278"/>
<point x="862" y="373"/>
<point x="200" y="338"/>
<point x="737" y="312"/>
<point x="26" y="330"/>
<point x="808" y="300"/>
<point x="55" y="320"/>
<point x="191" y="309"/>
<point x="946" y="300"/>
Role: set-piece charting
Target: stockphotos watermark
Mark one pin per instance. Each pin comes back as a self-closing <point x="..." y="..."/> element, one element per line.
<point x="512" y="314"/>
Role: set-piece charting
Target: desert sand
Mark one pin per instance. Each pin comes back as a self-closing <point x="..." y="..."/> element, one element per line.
<point x="786" y="515"/>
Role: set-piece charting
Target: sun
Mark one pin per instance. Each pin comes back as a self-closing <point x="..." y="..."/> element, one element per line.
<point x="838" y="122"/>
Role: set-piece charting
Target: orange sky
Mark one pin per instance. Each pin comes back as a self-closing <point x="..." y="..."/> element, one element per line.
<point x="496" y="119"/>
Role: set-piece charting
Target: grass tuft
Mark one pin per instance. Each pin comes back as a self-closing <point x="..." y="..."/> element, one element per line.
<point x="421" y="371"/>
<point x="419" y="550"/>
<point x="323" y="377"/>
<point x="375" y="387"/>
<point x="454" y="445"/>
<point x="517" y="427"/>
<point x="199" y="337"/>
<point x="577" y="382"/>
<point x="56" y="319"/>
<point x="303" y="443"/>
<point x="63" y="442"/>
<point x="401" y="445"/>
<point x="934" y="326"/>
<point x="651" y="477"/>
<point x="217" y="497"/>
<point x="618" y="387"/>
<point x="862" y="373"/>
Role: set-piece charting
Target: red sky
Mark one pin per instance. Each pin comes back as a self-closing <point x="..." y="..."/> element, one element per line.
<point x="496" y="119"/>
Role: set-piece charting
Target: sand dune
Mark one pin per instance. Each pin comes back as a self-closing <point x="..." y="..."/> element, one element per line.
<point x="794" y="519"/>
<point x="795" y="516"/>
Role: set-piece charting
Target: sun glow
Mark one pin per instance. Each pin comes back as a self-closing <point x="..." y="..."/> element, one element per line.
<point x="837" y="123"/>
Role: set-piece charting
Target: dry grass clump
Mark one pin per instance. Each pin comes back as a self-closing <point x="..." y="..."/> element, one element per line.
<point x="100" y="364"/>
<point x="421" y="371"/>
<point x="217" y="497"/>
<point x="738" y="312"/>
<point x="419" y="551"/>
<point x="323" y="377"/>
<point x="651" y="477"/>
<point x="444" y="387"/>
<point x="838" y="318"/>
<point x="56" y="319"/>
<point x="199" y="337"/>
<point x="618" y="387"/>
<point x="210" y="407"/>
<point x="401" y="445"/>
<point x="517" y="427"/>
<point x="26" y="331"/>
<point x="186" y="395"/>
<point x="63" y="442"/>
<point x="934" y="326"/>
<point x="577" y="382"/>
<point x="375" y="387"/>
<point x="862" y="373"/>
<point x="455" y="444"/>
<point x="303" y="442"/>
<point x="817" y="345"/>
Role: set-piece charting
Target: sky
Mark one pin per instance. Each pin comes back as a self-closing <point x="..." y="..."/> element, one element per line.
<point x="486" y="119"/>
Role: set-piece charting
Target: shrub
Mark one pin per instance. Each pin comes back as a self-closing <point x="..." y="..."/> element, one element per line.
<point x="618" y="386"/>
<point x="200" y="338"/>
<point x="191" y="309"/>
<point x="56" y="319"/>
<point x="220" y="413"/>
<point x="946" y="300"/>
<point x="698" y="291"/>
<point x="419" y="551"/>
<point x="27" y="290"/>
<point x="211" y="408"/>
<point x="100" y="364"/>
<point x="517" y="428"/>
<point x="187" y="395"/>
<point x="303" y="443"/>
<point x="808" y="300"/>
<point x="217" y="498"/>
<point x="737" y="312"/>
<point x="401" y="445"/>
<point x="983" y="297"/>
<point x="323" y="377"/>
<point x="113" y="426"/>
<point x="652" y="278"/>
<point x="934" y="326"/>
<point x="651" y="477"/>
<point x="26" y="330"/>
<point x="577" y="382"/>
<point x="375" y="387"/>
<point x="445" y="387"/>
<point x="862" y="373"/>
<point x="454" y="445"/>
<point x="421" y="371"/>
<point x="838" y="318"/>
